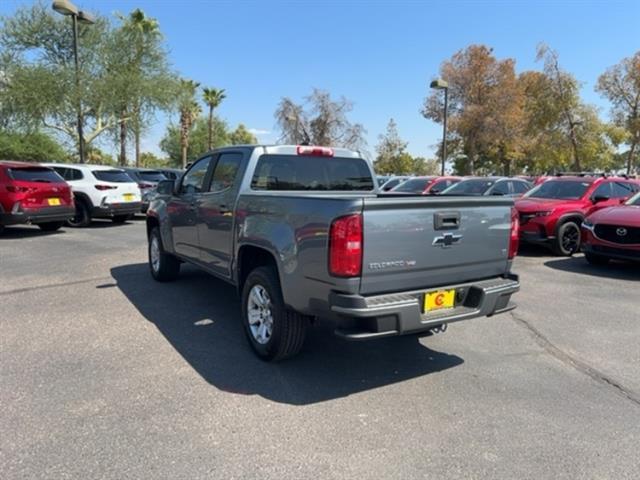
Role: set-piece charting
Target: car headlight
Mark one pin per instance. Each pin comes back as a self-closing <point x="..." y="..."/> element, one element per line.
<point x="542" y="213"/>
<point x="587" y="223"/>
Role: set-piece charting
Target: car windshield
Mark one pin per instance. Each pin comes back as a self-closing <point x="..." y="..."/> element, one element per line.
<point x="414" y="185"/>
<point x="469" y="187"/>
<point x="635" y="200"/>
<point x="152" y="176"/>
<point x="299" y="172"/>
<point x="559" y="189"/>
<point x="35" y="174"/>
<point x="114" y="176"/>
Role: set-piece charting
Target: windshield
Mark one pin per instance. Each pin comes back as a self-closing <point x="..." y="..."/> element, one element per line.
<point x="35" y="174"/>
<point x="559" y="189"/>
<point x="152" y="176"/>
<point x="299" y="172"/>
<point x="114" y="176"/>
<point x="415" y="185"/>
<point x="635" y="200"/>
<point x="469" y="187"/>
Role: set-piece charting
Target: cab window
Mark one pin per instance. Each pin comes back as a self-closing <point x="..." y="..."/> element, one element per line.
<point x="225" y="171"/>
<point x="193" y="180"/>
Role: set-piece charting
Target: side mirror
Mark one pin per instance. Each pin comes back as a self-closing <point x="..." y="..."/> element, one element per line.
<point x="166" y="187"/>
<point x="600" y="198"/>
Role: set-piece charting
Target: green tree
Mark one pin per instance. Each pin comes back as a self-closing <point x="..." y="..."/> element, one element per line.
<point x="319" y="121"/>
<point x="189" y="110"/>
<point x="149" y="160"/>
<point x="212" y="97"/>
<point x="198" y="140"/>
<point x="620" y="84"/>
<point x="38" y="79"/>
<point x="242" y="136"/>
<point x="392" y="157"/>
<point x="31" y="147"/>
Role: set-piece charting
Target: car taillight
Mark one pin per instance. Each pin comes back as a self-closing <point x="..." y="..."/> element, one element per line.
<point x="514" y="236"/>
<point x="315" y="151"/>
<point x="18" y="189"/>
<point x="104" y="187"/>
<point x="144" y="186"/>
<point x="345" y="246"/>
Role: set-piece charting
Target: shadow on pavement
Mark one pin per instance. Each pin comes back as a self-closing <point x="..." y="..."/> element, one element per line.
<point x="529" y="250"/>
<point x="578" y="264"/>
<point x="200" y="316"/>
<point x="27" y="231"/>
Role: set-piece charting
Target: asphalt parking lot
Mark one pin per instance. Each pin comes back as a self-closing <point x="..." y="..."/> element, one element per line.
<point x="107" y="374"/>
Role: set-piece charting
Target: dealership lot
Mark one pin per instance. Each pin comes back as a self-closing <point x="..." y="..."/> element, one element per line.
<point x="107" y="374"/>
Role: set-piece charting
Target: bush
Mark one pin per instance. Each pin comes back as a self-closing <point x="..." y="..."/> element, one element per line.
<point x="30" y="147"/>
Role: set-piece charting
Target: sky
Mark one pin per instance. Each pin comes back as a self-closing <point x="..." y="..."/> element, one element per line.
<point x="381" y="55"/>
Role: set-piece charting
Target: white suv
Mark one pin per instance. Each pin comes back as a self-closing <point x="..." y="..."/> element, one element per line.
<point x="100" y="192"/>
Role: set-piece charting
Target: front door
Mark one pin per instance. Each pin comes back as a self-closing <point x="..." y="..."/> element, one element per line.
<point x="215" y="214"/>
<point x="182" y="209"/>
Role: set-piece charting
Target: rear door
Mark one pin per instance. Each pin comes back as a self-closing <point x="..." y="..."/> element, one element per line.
<point x="182" y="209"/>
<point x="428" y="242"/>
<point x="215" y="213"/>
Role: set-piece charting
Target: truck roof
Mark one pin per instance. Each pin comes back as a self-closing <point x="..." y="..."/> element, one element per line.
<point x="292" y="149"/>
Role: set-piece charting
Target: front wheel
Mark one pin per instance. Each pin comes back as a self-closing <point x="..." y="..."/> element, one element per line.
<point x="567" y="239"/>
<point x="274" y="332"/>
<point x="50" y="226"/>
<point x="164" y="266"/>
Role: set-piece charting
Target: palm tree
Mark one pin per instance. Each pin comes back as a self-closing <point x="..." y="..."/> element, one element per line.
<point x="189" y="111"/>
<point x="213" y="98"/>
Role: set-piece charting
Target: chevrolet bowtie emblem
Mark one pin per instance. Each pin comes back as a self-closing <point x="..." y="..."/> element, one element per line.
<point x="446" y="240"/>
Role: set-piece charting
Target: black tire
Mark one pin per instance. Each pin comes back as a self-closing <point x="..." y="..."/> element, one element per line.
<point x="82" y="217"/>
<point x="567" y="240"/>
<point x="596" y="259"/>
<point x="120" y="218"/>
<point x="288" y="327"/>
<point x="167" y="267"/>
<point x="50" y="226"/>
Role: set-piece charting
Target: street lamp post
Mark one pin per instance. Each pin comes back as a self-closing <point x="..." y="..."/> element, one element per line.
<point x="67" y="8"/>
<point x="440" y="84"/>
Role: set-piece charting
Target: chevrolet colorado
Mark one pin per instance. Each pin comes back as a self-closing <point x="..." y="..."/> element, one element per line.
<point x="303" y="232"/>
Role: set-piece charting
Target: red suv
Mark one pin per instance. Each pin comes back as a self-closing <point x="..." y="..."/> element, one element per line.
<point x="31" y="193"/>
<point x="613" y="233"/>
<point x="551" y="213"/>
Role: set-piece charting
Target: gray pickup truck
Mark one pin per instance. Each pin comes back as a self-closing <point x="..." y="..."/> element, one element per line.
<point x="304" y="233"/>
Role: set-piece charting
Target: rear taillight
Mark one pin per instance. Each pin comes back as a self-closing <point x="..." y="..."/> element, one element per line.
<point x="514" y="236"/>
<point x="144" y="186"/>
<point x="104" y="187"/>
<point x="18" y="189"/>
<point x="315" y="151"/>
<point x="345" y="246"/>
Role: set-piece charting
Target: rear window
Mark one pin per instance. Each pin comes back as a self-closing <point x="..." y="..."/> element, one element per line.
<point x="35" y="174"/>
<point x="469" y="187"/>
<point x="559" y="189"/>
<point x="152" y="176"/>
<point x="114" y="176"/>
<point x="291" y="172"/>
<point x="415" y="185"/>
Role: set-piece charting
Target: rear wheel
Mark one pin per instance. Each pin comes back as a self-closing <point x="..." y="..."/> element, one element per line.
<point x="82" y="217"/>
<point x="164" y="266"/>
<point x="50" y="226"/>
<point x="596" y="259"/>
<point x="567" y="239"/>
<point x="274" y="332"/>
<point x="120" y="218"/>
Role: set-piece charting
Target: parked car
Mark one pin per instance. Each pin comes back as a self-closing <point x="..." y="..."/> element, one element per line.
<point x="100" y="192"/>
<point x="382" y="179"/>
<point x="171" y="173"/>
<point x="551" y="213"/>
<point x="498" y="186"/>
<point x="302" y="233"/>
<point x="613" y="233"/>
<point x="391" y="183"/>
<point x="147" y="180"/>
<point x="33" y="194"/>
<point x="426" y="185"/>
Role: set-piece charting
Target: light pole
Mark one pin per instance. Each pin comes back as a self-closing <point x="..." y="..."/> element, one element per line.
<point x="440" y="84"/>
<point x="64" y="7"/>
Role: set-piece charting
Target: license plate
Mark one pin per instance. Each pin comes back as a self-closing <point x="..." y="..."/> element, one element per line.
<point x="439" y="300"/>
<point x="53" y="202"/>
<point x="128" y="197"/>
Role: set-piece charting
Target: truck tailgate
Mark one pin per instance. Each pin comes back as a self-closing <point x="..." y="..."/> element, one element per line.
<point x="414" y="243"/>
